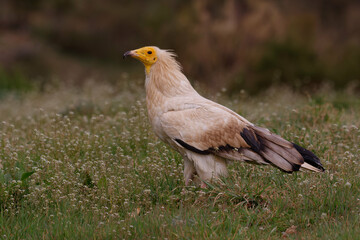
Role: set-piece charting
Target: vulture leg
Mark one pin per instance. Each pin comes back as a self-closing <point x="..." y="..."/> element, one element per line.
<point x="189" y="171"/>
<point x="208" y="166"/>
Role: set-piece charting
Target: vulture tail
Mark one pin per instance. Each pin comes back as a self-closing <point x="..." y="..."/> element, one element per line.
<point x="279" y="152"/>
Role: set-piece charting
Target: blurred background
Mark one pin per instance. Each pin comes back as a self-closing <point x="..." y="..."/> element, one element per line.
<point x="234" y="44"/>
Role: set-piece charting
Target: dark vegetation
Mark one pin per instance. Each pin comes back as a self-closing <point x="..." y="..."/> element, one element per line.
<point x="237" y="44"/>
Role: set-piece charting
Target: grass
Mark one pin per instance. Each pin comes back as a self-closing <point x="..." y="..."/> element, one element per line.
<point x="84" y="164"/>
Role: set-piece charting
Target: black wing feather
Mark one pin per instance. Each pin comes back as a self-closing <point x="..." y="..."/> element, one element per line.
<point x="309" y="157"/>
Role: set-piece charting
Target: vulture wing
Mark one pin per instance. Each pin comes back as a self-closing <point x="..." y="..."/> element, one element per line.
<point x="213" y="129"/>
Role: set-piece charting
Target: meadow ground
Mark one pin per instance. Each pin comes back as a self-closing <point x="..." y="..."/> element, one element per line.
<point x="84" y="164"/>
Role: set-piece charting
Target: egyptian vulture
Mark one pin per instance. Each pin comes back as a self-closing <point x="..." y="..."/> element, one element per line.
<point x="206" y="133"/>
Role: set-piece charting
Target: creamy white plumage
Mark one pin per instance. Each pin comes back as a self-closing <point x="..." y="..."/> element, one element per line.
<point x="205" y="133"/>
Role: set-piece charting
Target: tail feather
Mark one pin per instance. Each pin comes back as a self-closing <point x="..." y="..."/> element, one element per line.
<point x="310" y="167"/>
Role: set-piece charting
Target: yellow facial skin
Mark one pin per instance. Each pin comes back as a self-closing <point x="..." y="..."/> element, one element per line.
<point x="147" y="55"/>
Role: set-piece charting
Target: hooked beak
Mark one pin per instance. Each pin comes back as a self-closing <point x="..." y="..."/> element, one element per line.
<point x="128" y="53"/>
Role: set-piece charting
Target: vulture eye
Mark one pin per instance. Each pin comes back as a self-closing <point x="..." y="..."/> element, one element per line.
<point x="149" y="52"/>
